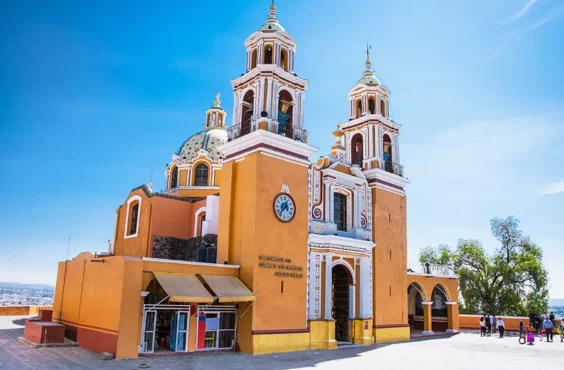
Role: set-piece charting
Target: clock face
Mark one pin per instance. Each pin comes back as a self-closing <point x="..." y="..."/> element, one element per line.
<point x="284" y="207"/>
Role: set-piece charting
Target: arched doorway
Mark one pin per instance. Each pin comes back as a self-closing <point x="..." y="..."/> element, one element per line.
<point x="415" y="313"/>
<point x="247" y="112"/>
<point x="341" y="281"/>
<point x="285" y="114"/>
<point x="439" y="309"/>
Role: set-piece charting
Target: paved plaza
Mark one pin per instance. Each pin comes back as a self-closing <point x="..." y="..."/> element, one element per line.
<point x="463" y="351"/>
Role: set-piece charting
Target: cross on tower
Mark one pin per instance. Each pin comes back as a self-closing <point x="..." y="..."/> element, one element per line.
<point x="368" y="48"/>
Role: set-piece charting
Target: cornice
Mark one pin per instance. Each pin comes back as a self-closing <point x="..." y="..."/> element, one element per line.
<point x="386" y="177"/>
<point x="265" y="138"/>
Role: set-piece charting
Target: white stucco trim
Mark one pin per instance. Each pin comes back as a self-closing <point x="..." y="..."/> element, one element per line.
<point x="197" y="217"/>
<point x="340" y="240"/>
<point x="427" y="303"/>
<point x="388" y="177"/>
<point x="132" y="199"/>
<point x="347" y="266"/>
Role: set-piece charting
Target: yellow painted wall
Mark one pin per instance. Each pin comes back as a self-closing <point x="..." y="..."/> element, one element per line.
<point x="385" y="335"/>
<point x="276" y="343"/>
<point x="194" y="193"/>
<point x="182" y="177"/>
<point x="131" y="308"/>
<point x="389" y="232"/>
<point x="322" y="334"/>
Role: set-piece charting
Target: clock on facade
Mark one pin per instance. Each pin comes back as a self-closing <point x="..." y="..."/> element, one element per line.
<point x="284" y="207"/>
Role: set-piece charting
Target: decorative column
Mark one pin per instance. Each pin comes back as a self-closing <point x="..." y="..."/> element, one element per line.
<point x="365" y="266"/>
<point x="311" y="283"/>
<point x="328" y="286"/>
<point x="427" y="318"/>
<point x="269" y="98"/>
<point x="356" y="208"/>
<point x="452" y="314"/>
<point x="327" y="200"/>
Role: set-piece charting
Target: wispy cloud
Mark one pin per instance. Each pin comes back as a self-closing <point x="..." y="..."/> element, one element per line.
<point x="523" y="12"/>
<point x="544" y="20"/>
<point x="555" y="188"/>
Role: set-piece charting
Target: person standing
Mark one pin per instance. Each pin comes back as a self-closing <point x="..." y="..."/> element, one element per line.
<point x="551" y="318"/>
<point x="548" y="326"/>
<point x="500" y="327"/>
<point x="482" y="327"/>
<point x="494" y="323"/>
<point x="530" y="334"/>
<point x="488" y="325"/>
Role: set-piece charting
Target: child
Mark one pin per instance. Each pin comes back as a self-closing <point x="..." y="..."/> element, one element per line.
<point x="541" y="333"/>
<point x="530" y="335"/>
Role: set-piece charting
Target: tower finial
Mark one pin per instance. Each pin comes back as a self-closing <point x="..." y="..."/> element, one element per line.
<point x="217" y="102"/>
<point x="368" y="48"/>
<point x="272" y="12"/>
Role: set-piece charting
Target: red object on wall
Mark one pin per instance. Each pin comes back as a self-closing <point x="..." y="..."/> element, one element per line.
<point x="44" y="332"/>
<point x="45" y="315"/>
<point x="202" y="330"/>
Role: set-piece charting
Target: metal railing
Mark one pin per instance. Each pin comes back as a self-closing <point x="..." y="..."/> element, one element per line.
<point x="433" y="269"/>
<point x="248" y="126"/>
<point x="392" y="167"/>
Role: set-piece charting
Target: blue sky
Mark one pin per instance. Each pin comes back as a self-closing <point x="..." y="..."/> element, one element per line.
<point x="95" y="96"/>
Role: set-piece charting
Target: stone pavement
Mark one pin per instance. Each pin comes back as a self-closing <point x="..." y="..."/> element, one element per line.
<point x="463" y="351"/>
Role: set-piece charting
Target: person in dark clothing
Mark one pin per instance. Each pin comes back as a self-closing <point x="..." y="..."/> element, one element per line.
<point x="551" y="317"/>
<point x="488" y="325"/>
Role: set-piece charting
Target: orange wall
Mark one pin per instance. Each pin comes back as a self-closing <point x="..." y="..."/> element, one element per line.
<point x="22" y="310"/>
<point x="174" y="218"/>
<point x="389" y="232"/>
<point x="473" y="322"/>
<point x="249" y="228"/>
<point x="139" y="245"/>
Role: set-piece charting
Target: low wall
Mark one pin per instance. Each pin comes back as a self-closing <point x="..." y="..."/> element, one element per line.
<point x="511" y="322"/>
<point x="22" y="310"/>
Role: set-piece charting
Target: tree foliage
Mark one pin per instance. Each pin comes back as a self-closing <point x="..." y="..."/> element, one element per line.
<point x="511" y="281"/>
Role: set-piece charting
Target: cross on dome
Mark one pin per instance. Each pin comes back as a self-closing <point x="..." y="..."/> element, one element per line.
<point x="217" y="102"/>
<point x="368" y="48"/>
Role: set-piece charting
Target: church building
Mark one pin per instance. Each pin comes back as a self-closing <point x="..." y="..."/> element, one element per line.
<point x="251" y="247"/>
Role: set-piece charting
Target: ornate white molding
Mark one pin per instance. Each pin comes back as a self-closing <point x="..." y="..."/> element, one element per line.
<point x="340" y="243"/>
<point x="347" y="265"/>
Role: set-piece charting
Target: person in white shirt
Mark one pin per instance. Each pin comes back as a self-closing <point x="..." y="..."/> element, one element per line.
<point x="500" y="327"/>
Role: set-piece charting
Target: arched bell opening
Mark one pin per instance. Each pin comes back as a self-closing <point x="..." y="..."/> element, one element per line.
<point x="268" y="54"/>
<point x="247" y="112"/>
<point x="285" y="114"/>
<point x="342" y="279"/>
<point x="383" y="108"/>
<point x="387" y="153"/>
<point x="372" y="105"/>
<point x="358" y="108"/>
<point x="254" y="58"/>
<point x="357" y="149"/>
<point x="284" y="59"/>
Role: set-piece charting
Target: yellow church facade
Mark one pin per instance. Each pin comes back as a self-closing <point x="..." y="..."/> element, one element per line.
<point x="252" y="247"/>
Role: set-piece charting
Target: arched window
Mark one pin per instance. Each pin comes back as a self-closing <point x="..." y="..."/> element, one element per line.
<point x="357" y="149"/>
<point x="254" y="58"/>
<point x="383" y="108"/>
<point x="358" y="108"/>
<point x="201" y="176"/>
<point x="340" y="211"/>
<point x="247" y="111"/>
<point x="174" y="178"/>
<point x="285" y="114"/>
<point x="268" y="54"/>
<point x="132" y="217"/>
<point x="371" y="105"/>
<point x="283" y="60"/>
<point x="387" y="153"/>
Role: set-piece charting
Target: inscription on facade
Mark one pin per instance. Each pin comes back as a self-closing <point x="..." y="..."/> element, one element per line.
<point x="289" y="270"/>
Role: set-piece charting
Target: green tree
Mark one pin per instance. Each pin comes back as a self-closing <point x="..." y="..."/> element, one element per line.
<point x="511" y="281"/>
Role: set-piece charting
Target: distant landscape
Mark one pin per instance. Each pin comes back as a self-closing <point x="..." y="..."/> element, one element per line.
<point x="17" y="294"/>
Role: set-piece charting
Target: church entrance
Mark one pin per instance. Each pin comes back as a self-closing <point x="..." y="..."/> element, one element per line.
<point x="341" y="280"/>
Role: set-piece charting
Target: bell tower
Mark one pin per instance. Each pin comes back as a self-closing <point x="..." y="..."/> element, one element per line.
<point x="270" y="95"/>
<point x="263" y="212"/>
